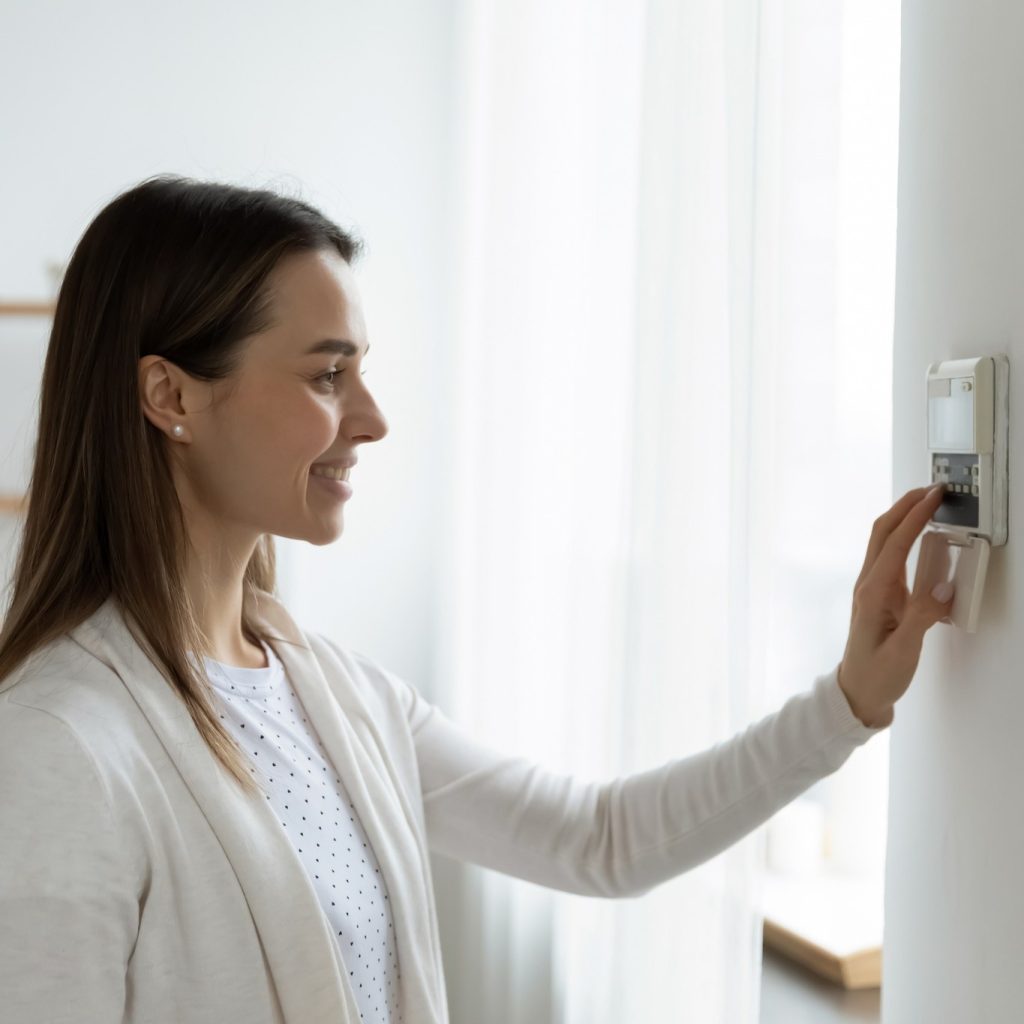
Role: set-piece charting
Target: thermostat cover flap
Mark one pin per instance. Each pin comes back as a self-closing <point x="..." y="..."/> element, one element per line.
<point x="961" y="559"/>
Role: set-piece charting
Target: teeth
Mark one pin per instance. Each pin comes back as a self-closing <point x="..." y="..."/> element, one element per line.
<point x="334" y="474"/>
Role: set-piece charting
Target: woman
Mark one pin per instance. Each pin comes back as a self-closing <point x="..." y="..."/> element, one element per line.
<point x="208" y="813"/>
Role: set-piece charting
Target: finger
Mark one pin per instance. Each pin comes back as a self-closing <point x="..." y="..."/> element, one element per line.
<point x="922" y="613"/>
<point x="884" y="526"/>
<point x="900" y="540"/>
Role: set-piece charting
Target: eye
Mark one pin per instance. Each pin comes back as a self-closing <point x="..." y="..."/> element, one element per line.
<point x="332" y="373"/>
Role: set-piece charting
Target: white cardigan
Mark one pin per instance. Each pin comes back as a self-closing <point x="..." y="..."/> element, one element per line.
<point x="138" y="883"/>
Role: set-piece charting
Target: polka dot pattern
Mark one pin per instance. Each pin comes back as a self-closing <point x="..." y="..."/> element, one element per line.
<point x="263" y="712"/>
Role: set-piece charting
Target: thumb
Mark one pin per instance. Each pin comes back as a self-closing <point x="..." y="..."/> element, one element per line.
<point x="921" y="614"/>
<point x="942" y="601"/>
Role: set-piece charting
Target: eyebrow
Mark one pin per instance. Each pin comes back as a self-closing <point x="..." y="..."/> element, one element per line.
<point x="336" y="345"/>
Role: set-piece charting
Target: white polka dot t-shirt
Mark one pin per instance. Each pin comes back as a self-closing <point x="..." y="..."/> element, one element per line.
<point x="263" y="712"/>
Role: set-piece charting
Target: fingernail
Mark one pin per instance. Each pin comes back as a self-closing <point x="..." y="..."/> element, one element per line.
<point x="943" y="591"/>
<point x="935" y="490"/>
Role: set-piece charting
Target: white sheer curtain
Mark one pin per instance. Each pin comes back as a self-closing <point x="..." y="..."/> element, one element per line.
<point x="631" y="421"/>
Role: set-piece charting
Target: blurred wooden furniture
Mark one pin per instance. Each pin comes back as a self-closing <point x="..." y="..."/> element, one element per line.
<point x="831" y="923"/>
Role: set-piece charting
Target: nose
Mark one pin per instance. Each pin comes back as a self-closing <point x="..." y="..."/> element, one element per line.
<point x="371" y="419"/>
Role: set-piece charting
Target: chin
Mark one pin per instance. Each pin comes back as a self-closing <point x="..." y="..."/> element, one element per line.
<point x="328" y="534"/>
<point x="322" y="542"/>
<point x="325" y="534"/>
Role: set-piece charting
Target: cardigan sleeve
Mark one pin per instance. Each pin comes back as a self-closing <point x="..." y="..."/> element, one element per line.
<point x="68" y="917"/>
<point x="624" y="836"/>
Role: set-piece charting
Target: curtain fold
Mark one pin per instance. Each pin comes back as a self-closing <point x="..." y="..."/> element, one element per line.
<point x="597" y="609"/>
<point x="634" y="184"/>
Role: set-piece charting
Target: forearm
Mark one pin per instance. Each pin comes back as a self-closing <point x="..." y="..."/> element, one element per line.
<point x="873" y="718"/>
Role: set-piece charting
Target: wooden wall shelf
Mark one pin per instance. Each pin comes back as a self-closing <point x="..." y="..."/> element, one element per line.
<point x="16" y="504"/>
<point x="13" y="504"/>
<point x="27" y="308"/>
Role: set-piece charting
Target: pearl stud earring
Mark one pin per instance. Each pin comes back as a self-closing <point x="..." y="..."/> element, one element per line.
<point x="177" y="430"/>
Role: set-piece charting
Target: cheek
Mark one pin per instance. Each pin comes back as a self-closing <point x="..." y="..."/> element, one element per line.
<point x="301" y="431"/>
<point x="286" y="434"/>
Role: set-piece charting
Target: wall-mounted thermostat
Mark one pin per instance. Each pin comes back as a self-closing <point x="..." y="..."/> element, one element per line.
<point x="968" y="407"/>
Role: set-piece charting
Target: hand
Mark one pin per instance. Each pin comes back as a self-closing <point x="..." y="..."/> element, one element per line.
<point x="888" y="624"/>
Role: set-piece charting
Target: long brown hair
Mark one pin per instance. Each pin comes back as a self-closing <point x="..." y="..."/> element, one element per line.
<point x="173" y="267"/>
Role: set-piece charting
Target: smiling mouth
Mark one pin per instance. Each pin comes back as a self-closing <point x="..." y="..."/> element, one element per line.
<point x="331" y="474"/>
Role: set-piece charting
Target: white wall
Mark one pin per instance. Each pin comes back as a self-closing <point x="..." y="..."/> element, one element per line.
<point x="349" y="105"/>
<point x="954" y="894"/>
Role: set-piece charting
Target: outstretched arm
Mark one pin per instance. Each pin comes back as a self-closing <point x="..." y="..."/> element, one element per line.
<point x="624" y="836"/>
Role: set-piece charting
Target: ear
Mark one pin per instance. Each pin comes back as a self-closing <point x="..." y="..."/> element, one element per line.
<point x="164" y="393"/>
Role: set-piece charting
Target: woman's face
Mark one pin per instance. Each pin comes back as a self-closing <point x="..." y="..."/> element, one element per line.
<point x="243" y="463"/>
